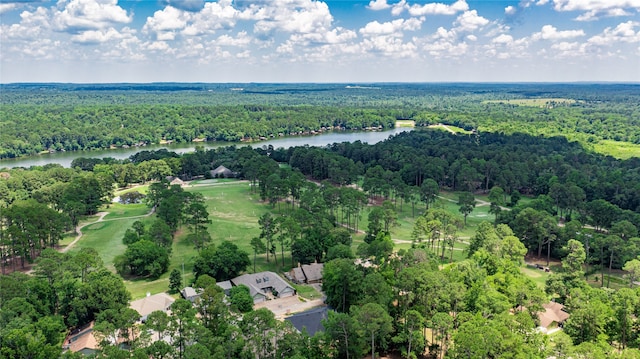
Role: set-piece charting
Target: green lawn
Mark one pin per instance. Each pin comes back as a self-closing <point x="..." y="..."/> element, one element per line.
<point x="118" y="210"/>
<point x="106" y="238"/>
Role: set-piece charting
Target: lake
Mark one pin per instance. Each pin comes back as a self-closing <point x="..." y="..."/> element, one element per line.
<point x="65" y="158"/>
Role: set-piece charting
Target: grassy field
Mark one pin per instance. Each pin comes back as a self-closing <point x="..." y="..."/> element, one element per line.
<point x="405" y="123"/>
<point x="622" y="150"/>
<point x="534" y="102"/>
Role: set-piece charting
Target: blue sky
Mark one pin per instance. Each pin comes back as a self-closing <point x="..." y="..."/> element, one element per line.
<point x="319" y="41"/>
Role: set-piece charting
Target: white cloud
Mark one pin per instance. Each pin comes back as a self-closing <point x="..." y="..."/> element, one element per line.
<point x="549" y="32"/>
<point x="470" y="21"/>
<point x="81" y="15"/>
<point x="393" y="27"/>
<point x="378" y="5"/>
<point x="510" y="10"/>
<point x="167" y="19"/>
<point x="7" y="7"/>
<point x="503" y="39"/>
<point x="399" y="7"/>
<point x="302" y="16"/>
<point x="241" y="40"/>
<point x="594" y="9"/>
<point x="439" y="8"/>
<point x="96" y="36"/>
<point x="214" y="16"/>
<point x="389" y="46"/>
<point x="624" y="32"/>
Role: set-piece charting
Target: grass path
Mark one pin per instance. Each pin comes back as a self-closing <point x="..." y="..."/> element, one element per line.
<point x="101" y="216"/>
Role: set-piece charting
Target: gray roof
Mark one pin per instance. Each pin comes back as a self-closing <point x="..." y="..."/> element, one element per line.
<point x="298" y="274"/>
<point x="313" y="271"/>
<point x="226" y="285"/>
<point x="262" y="282"/>
<point x="221" y="170"/>
<point x="311" y="320"/>
<point x="189" y="292"/>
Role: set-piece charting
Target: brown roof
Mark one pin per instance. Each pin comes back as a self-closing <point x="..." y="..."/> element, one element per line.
<point x="313" y="271"/>
<point x="552" y="313"/>
<point x="81" y="339"/>
<point x="151" y="303"/>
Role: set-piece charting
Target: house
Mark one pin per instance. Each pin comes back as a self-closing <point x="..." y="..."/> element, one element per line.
<point x="191" y="294"/>
<point x="306" y="273"/>
<point x="177" y="181"/>
<point x="313" y="272"/>
<point x="222" y="172"/>
<point x="226" y="286"/>
<point x="151" y="303"/>
<point x="264" y="285"/>
<point x="297" y="275"/>
<point x="81" y="340"/>
<point x="552" y="316"/>
<point x="311" y="320"/>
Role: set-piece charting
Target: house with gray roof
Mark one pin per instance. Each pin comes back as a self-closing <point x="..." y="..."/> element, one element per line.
<point x="313" y="272"/>
<point x="226" y="286"/>
<point x="191" y="294"/>
<point x="265" y="285"/>
<point x="222" y="172"/>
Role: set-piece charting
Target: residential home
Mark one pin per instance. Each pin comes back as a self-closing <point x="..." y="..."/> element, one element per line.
<point x="81" y="340"/>
<point x="310" y="320"/>
<point x="265" y="285"/>
<point x="297" y="275"/>
<point x="222" y="172"/>
<point x="313" y="272"/>
<point x="552" y="316"/>
<point x="226" y="286"/>
<point x="151" y="303"/>
<point x="191" y="294"/>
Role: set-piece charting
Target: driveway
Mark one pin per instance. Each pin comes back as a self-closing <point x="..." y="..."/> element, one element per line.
<point x="283" y="307"/>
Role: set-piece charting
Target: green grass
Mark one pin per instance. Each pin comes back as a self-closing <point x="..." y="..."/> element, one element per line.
<point x="621" y="150"/>
<point x="534" y="102"/>
<point x="118" y="210"/>
<point x="537" y="275"/>
<point x="307" y="291"/>
<point x="106" y="238"/>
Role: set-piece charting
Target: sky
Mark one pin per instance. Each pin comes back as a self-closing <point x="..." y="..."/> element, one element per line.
<point x="343" y="41"/>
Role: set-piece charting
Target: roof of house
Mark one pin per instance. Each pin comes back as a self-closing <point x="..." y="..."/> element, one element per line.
<point x="313" y="271"/>
<point x="298" y="274"/>
<point x="221" y="169"/>
<point x="552" y="313"/>
<point x="225" y="285"/>
<point x="260" y="282"/>
<point x="81" y="339"/>
<point x="311" y="320"/>
<point x="189" y="292"/>
<point x="151" y="303"/>
<point x="177" y="181"/>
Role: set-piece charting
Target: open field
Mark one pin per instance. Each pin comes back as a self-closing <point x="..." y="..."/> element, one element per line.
<point x="617" y="149"/>
<point x="535" y="102"/>
<point x="405" y="123"/>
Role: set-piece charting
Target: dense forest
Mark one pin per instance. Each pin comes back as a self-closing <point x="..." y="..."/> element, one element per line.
<point x="46" y="117"/>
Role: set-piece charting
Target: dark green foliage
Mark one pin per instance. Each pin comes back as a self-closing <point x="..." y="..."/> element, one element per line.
<point x="143" y="258"/>
<point x="175" y="281"/>
<point x="241" y="299"/>
<point x="222" y="263"/>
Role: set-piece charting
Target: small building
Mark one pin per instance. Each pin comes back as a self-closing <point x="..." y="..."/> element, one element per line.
<point x="226" y="286"/>
<point x="222" y="172"/>
<point x="552" y="316"/>
<point x="191" y="294"/>
<point x="177" y="181"/>
<point x="313" y="272"/>
<point x="265" y="285"/>
<point x="81" y="340"/>
<point x="310" y="320"/>
<point x="151" y="303"/>
<point x="297" y="275"/>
